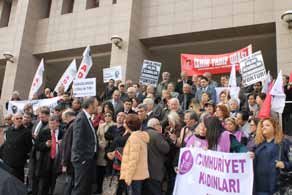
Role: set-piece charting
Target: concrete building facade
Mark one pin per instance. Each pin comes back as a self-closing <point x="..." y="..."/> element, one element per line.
<point x="59" y="30"/>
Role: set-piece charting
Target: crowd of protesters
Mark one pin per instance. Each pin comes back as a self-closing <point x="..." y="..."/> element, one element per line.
<point x="127" y="140"/>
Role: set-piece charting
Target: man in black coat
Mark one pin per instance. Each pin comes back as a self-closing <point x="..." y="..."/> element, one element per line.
<point x="68" y="117"/>
<point x="84" y="148"/>
<point x="48" y="166"/>
<point x="157" y="149"/>
<point x="184" y="79"/>
<point x="186" y="97"/>
<point x="16" y="147"/>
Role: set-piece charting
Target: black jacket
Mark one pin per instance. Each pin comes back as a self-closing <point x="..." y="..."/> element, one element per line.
<point x="188" y="100"/>
<point x="179" y="86"/>
<point x="44" y="164"/>
<point x="83" y="143"/>
<point x="67" y="146"/>
<point x="17" y="146"/>
<point x="157" y="149"/>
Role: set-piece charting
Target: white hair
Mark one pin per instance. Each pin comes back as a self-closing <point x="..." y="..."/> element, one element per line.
<point x="152" y="122"/>
<point x="148" y="101"/>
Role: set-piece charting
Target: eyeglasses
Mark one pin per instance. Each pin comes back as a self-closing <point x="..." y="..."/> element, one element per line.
<point x="19" y="118"/>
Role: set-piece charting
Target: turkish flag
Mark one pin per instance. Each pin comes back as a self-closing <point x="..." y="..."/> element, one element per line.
<point x="265" y="111"/>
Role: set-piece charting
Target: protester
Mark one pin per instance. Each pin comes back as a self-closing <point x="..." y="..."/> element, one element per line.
<point x="171" y="89"/>
<point x="198" y="139"/>
<point x="205" y="87"/>
<point x="186" y="97"/>
<point x="84" y="148"/>
<point x="253" y="123"/>
<point x="163" y="84"/>
<point x="269" y="143"/>
<point x="184" y="79"/>
<point x="101" y="171"/>
<point x="134" y="168"/>
<point x="142" y="114"/>
<point x="16" y="147"/>
<point x="157" y="149"/>
<point x="232" y="127"/>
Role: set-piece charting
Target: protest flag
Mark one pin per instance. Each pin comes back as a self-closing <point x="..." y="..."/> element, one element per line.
<point x="266" y="83"/>
<point x="37" y="80"/>
<point x="67" y="77"/>
<point x="85" y="65"/>
<point x="265" y="110"/>
<point x="290" y="78"/>
<point x="232" y="78"/>
<point x="279" y="97"/>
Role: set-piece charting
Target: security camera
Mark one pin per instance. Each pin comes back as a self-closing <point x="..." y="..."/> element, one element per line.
<point x="287" y="17"/>
<point x="8" y="56"/>
<point x="117" y="40"/>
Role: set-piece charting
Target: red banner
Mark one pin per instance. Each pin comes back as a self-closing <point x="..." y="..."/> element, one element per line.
<point x="215" y="64"/>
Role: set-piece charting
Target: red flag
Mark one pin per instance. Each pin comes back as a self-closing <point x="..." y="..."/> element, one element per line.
<point x="290" y="78"/>
<point x="265" y="111"/>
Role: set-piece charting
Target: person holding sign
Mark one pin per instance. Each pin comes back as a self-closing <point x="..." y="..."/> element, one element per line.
<point x="270" y="156"/>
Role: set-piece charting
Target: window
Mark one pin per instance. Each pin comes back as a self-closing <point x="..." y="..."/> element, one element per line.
<point x="92" y="4"/>
<point x="46" y="9"/>
<point x="67" y="6"/>
<point x="6" y="11"/>
<point x="115" y="1"/>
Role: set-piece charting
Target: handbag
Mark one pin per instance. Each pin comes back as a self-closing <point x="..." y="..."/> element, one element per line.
<point x="284" y="181"/>
<point x="110" y="185"/>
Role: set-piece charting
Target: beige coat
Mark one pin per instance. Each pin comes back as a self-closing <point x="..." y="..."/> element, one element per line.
<point x="102" y="129"/>
<point x="135" y="162"/>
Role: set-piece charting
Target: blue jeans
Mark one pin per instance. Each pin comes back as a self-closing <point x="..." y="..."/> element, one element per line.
<point x="135" y="188"/>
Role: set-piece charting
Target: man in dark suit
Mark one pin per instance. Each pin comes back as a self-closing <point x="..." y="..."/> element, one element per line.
<point x="16" y="147"/>
<point x="205" y="88"/>
<point x="186" y="97"/>
<point x="184" y="79"/>
<point x="116" y="101"/>
<point x="127" y="109"/>
<point x="68" y="117"/>
<point x="48" y="166"/>
<point x="84" y="148"/>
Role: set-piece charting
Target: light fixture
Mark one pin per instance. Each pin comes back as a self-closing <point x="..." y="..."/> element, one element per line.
<point x="287" y="17"/>
<point x="117" y="40"/>
<point x="8" y="56"/>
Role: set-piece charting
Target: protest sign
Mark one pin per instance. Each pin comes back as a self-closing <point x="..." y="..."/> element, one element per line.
<point x="17" y="106"/>
<point x="252" y="69"/>
<point x="213" y="173"/>
<point x="84" y="87"/>
<point x="215" y="64"/>
<point x="150" y="72"/>
<point x="114" y="73"/>
<point x="37" y="80"/>
<point x="67" y="77"/>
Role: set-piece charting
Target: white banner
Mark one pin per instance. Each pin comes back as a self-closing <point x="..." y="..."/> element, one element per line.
<point x="150" y="72"/>
<point x="17" y="106"/>
<point x="114" y="73"/>
<point x="252" y="69"/>
<point x="67" y="77"/>
<point x="205" y="172"/>
<point x="37" y="80"/>
<point x="84" y="87"/>
<point x="85" y="65"/>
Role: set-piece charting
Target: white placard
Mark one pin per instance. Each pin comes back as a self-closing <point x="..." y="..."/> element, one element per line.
<point x="114" y="73"/>
<point x="84" y="87"/>
<point x="206" y="172"/>
<point x="252" y="69"/>
<point x="150" y="72"/>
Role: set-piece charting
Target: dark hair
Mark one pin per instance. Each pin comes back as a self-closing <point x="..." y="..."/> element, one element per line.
<point x="88" y="101"/>
<point x="142" y="106"/>
<point x="244" y="115"/>
<point x="214" y="129"/>
<point x="251" y="94"/>
<point x="69" y="112"/>
<point x="28" y="114"/>
<point x="193" y="115"/>
<point x="255" y="120"/>
<point x="110" y="106"/>
<point x="54" y="118"/>
<point x="138" y="85"/>
<point x="128" y="100"/>
<point x="204" y="78"/>
<point x="45" y="110"/>
<point x="133" y="122"/>
<point x="262" y="96"/>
